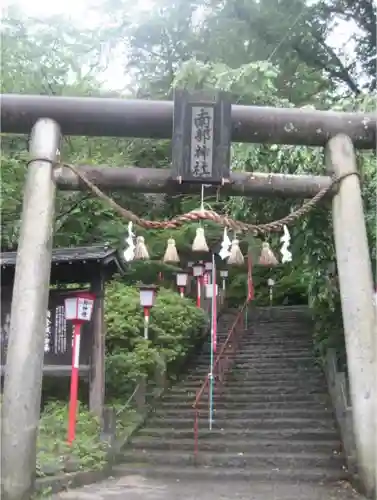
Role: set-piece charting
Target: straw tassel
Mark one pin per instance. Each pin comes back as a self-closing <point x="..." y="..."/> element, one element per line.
<point x="267" y="257"/>
<point x="199" y="244"/>
<point x="171" y="254"/>
<point x="235" y="258"/>
<point x="141" y="252"/>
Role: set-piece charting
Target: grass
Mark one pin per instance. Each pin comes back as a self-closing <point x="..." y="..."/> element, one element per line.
<point x="54" y="455"/>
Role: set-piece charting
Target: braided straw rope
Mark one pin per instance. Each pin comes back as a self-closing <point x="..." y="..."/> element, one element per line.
<point x="197" y="215"/>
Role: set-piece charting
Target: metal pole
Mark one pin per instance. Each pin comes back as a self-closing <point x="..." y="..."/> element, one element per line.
<point x="356" y="290"/>
<point x="24" y="369"/>
<point x="212" y="342"/>
<point x="109" y="117"/>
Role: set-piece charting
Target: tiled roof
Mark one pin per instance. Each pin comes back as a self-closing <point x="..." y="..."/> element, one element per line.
<point x="97" y="252"/>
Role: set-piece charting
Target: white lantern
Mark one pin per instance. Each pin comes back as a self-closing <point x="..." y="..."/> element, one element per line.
<point x="209" y="291"/>
<point x="208" y="266"/>
<point x="79" y="307"/>
<point x="182" y="279"/>
<point x="270" y="282"/>
<point x="147" y="295"/>
<point x="197" y="270"/>
<point x="224" y="273"/>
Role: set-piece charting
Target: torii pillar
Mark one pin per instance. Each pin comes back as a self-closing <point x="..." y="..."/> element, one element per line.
<point x="359" y="313"/>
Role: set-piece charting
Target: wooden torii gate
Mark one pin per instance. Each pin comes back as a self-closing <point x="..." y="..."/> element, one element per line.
<point x="49" y="117"/>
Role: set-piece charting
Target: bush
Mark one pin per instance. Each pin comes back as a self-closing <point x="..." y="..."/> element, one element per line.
<point x="54" y="455"/>
<point x="288" y="288"/>
<point x="175" y="327"/>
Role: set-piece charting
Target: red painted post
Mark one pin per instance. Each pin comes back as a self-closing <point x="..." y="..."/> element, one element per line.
<point x="74" y="383"/>
<point x="199" y="291"/>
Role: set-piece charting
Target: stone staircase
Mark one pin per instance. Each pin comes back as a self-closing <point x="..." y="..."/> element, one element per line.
<point x="273" y="418"/>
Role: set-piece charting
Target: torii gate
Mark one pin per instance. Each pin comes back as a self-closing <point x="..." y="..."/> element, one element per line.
<point x="48" y="117"/>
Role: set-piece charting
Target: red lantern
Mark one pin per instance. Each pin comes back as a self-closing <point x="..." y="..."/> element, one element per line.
<point x="182" y="279"/>
<point x="78" y="309"/>
<point x="147" y="297"/>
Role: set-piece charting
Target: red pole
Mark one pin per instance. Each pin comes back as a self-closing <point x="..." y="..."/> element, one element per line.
<point x="214" y="318"/>
<point x="74" y="383"/>
<point x="198" y="297"/>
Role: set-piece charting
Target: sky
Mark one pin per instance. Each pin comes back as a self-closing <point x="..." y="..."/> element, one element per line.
<point x="83" y="13"/>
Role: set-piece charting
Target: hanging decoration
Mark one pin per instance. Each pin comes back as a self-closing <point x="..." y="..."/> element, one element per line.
<point x="141" y="251"/>
<point x="200" y="244"/>
<point x="171" y="254"/>
<point x="285" y="252"/>
<point x="203" y="214"/>
<point x="235" y="258"/>
<point x="267" y="257"/>
<point x="225" y="245"/>
<point x="129" y="252"/>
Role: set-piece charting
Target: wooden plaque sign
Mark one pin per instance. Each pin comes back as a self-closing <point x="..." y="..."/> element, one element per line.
<point x="58" y="333"/>
<point x="201" y="137"/>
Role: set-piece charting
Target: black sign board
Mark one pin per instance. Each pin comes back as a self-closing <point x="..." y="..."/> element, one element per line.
<point x="58" y="333"/>
<point x="201" y="137"/>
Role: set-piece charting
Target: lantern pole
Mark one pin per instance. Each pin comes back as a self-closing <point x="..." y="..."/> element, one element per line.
<point x="146" y="322"/>
<point x="24" y="367"/>
<point x="147" y="297"/>
<point x="271" y="284"/>
<point x="198" y="274"/>
<point x="73" y="396"/>
<point x="78" y="309"/>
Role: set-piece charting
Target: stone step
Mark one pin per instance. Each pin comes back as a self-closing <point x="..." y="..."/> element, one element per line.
<point x="280" y="359"/>
<point x="261" y="406"/>
<point x="239" y="444"/>
<point x="269" y="461"/>
<point x="193" y="473"/>
<point x="306" y="434"/>
<point x="275" y="344"/>
<point x="249" y="393"/>
<point x="274" y="378"/>
<point x="251" y="387"/>
<point x="236" y="384"/>
<point x="252" y="356"/>
<point x="240" y="369"/>
<point x="251" y="423"/>
<point x="248" y="400"/>
<point x="231" y="413"/>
